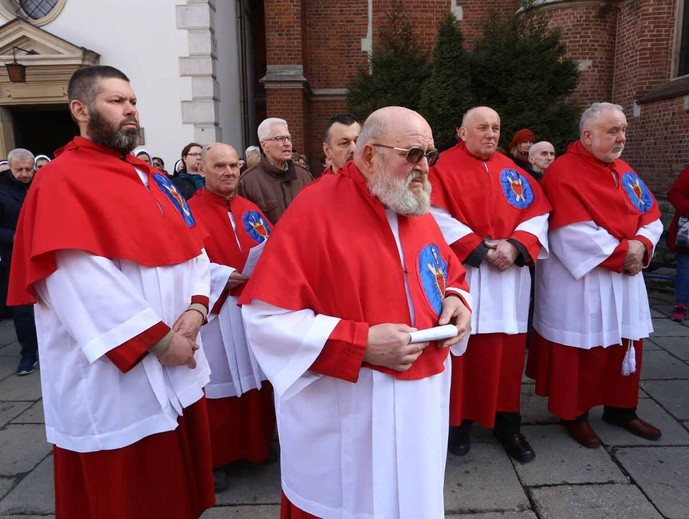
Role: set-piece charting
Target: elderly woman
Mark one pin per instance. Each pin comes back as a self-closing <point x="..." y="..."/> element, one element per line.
<point x="679" y="243"/>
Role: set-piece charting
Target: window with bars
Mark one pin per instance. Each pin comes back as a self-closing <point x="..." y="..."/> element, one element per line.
<point x="33" y="9"/>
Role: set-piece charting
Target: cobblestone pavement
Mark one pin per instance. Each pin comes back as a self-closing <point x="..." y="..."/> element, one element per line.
<point x="629" y="478"/>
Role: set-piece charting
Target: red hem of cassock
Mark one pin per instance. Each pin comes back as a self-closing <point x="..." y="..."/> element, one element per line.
<point x="487" y="378"/>
<point x="575" y="380"/>
<point x="242" y="427"/>
<point x="289" y="511"/>
<point x="164" y="475"/>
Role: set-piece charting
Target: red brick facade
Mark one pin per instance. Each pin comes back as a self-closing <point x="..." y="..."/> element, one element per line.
<point x="624" y="47"/>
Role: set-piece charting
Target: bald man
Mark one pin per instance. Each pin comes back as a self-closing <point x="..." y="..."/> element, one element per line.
<point x="541" y="155"/>
<point x="240" y="404"/>
<point x="362" y="411"/>
<point x="495" y="218"/>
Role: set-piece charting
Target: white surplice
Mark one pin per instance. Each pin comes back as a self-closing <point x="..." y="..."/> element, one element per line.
<point x="374" y="448"/>
<point x="500" y="298"/>
<point x="578" y="303"/>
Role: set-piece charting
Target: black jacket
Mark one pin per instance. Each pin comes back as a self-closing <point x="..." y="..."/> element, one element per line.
<point x="12" y="194"/>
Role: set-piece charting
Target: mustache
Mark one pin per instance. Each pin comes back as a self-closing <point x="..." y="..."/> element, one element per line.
<point x="129" y="120"/>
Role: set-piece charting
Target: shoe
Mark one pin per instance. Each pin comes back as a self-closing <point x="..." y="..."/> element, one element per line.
<point x="221" y="480"/>
<point x="517" y="447"/>
<point x="679" y="312"/>
<point x="458" y="442"/>
<point x="26" y="366"/>
<point x="582" y="433"/>
<point x="637" y="427"/>
<point x="272" y="456"/>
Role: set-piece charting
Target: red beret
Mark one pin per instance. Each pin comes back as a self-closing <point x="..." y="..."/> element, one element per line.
<point x="523" y="135"/>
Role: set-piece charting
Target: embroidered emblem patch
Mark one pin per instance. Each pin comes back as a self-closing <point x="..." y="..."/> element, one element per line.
<point x="433" y="274"/>
<point x="516" y="188"/>
<point x="177" y="200"/>
<point x="636" y="190"/>
<point x="256" y="226"/>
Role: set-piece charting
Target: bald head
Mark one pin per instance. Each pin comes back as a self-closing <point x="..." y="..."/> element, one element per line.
<point x="480" y="131"/>
<point x="541" y="155"/>
<point x="220" y="166"/>
<point x="391" y="152"/>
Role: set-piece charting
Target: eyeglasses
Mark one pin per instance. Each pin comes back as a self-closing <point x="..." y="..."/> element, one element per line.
<point x="414" y="155"/>
<point x="197" y="154"/>
<point x="282" y="139"/>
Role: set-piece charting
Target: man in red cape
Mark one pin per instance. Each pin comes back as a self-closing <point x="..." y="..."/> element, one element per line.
<point x="239" y="398"/>
<point x="591" y="307"/>
<point x="353" y="264"/>
<point x="107" y="249"/>
<point x="495" y="217"/>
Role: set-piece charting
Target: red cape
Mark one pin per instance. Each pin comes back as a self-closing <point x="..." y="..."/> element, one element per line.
<point x="582" y="188"/>
<point x="492" y="197"/>
<point x="333" y="252"/>
<point x="90" y="198"/>
<point x="211" y="212"/>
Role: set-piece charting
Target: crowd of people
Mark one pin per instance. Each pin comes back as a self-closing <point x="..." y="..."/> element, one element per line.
<point x="373" y="314"/>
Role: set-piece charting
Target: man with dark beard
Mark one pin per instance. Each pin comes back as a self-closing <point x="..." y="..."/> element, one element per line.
<point x="105" y="248"/>
<point x="356" y="262"/>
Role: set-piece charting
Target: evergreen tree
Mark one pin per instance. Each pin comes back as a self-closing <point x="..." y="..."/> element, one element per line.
<point x="398" y="68"/>
<point x="447" y="94"/>
<point x="520" y="69"/>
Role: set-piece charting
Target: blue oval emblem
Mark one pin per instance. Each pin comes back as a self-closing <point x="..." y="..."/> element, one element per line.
<point x="433" y="274"/>
<point x="177" y="200"/>
<point x="637" y="191"/>
<point x="516" y="188"/>
<point x="256" y="226"/>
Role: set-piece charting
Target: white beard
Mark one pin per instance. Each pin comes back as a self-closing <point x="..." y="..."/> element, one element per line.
<point x="394" y="193"/>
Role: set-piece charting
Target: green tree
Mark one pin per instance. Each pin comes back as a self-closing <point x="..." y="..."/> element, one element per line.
<point x="519" y="67"/>
<point x="447" y="94"/>
<point x="398" y="68"/>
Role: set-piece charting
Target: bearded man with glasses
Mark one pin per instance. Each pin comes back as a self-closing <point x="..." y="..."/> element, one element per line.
<point x="495" y="218"/>
<point x="355" y="265"/>
<point x="274" y="182"/>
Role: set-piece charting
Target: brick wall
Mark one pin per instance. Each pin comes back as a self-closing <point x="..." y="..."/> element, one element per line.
<point x="657" y="143"/>
<point x="625" y="50"/>
<point x="588" y="33"/>
<point x="290" y="104"/>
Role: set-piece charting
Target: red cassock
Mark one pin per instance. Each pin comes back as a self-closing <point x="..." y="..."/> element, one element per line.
<point x="241" y="427"/>
<point x="584" y="189"/>
<point x="348" y="266"/>
<point x="492" y="198"/>
<point x="91" y="199"/>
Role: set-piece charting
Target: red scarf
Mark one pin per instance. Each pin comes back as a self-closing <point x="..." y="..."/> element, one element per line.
<point x="334" y="253"/>
<point x="582" y="188"/>
<point x="211" y="212"/>
<point x="91" y="198"/>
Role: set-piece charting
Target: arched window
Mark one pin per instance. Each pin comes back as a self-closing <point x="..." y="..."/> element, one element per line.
<point x="683" y="38"/>
<point x="38" y="12"/>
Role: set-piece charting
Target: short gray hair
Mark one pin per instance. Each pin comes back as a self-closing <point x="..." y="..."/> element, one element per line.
<point x="19" y="153"/>
<point x="373" y="128"/>
<point x="264" y="128"/>
<point x="252" y="149"/>
<point x="594" y="111"/>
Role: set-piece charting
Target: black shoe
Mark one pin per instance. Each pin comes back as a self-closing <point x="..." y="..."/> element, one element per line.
<point x="26" y="366"/>
<point x="458" y="442"/>
<point x="221" y="480"/>
<point x="272" y="457"/>
<point x="517" y="447"/>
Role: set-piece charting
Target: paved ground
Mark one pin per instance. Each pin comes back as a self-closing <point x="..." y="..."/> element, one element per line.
<point x="628" y="478"/>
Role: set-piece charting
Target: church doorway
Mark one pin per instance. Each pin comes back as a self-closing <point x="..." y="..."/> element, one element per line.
<point x="42" y="129"/>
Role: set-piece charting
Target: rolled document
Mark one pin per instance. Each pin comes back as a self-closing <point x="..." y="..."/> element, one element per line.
<point x="437" y="333"/>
